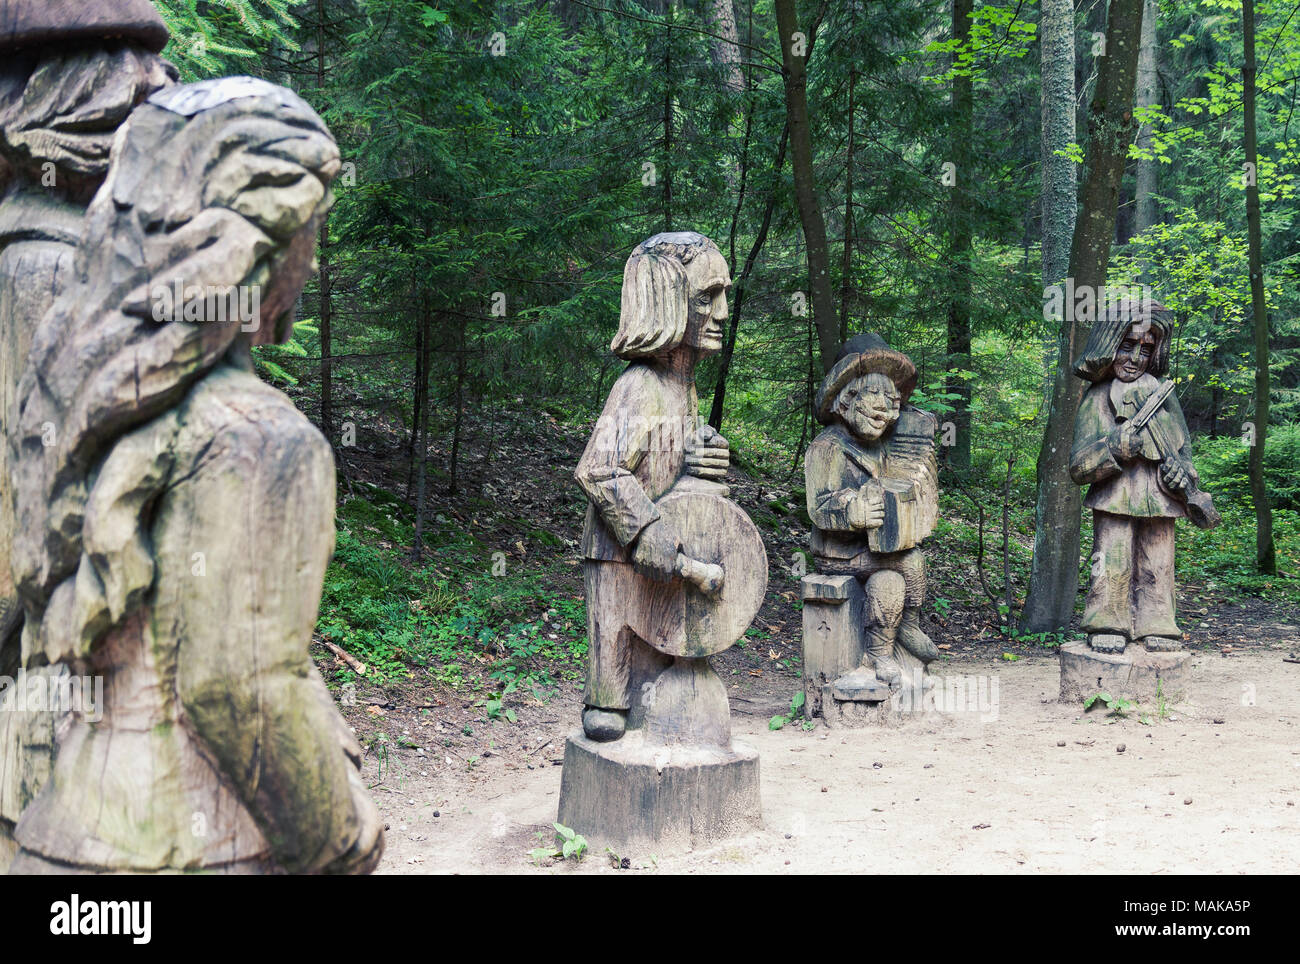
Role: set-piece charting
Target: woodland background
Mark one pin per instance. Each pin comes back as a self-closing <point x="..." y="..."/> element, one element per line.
<point x="502" y="159"/>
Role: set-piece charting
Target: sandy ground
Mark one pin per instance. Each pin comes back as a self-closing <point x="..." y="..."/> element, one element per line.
<point x="1029" y="786"/>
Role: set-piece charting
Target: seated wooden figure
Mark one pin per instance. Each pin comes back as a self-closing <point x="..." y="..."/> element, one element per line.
<point x="872" y="494"/>
<point x="1131" y="446"/>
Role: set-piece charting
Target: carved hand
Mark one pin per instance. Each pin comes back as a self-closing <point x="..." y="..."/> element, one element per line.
<point x="1126" y="442"/>
<point x="1175" y="475"/>
<point x="708" y="454"/>
<point x="655" y="554"/>
<point x="867" y="510"/>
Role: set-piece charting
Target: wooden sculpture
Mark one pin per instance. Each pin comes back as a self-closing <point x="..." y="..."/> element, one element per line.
<point x="74" y="72"/>
<point x="872" y="494"/>
<point x="173" y="514"/>
<point x="674" y="572"/>
<point x="1133" y="450"/>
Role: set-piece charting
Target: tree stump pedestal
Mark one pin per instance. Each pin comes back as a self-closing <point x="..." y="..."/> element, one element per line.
<point x="1136" y="674"/>
<point x="832" y="646"/>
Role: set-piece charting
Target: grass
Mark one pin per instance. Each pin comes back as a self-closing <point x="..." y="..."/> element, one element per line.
<point x="449" y="616"/>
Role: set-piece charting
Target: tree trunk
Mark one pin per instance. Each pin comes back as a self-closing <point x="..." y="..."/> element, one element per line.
<point x="422" y="436"/>
<point x="846" y="256"/>
<point x="1054" y="577"/>
<point x="326" y="361"/>
<point x="795" y="75"/>
<point x="668" y="120"/>
<point x="726" y="51"/>
<point x="729" y="347"/>
<point x="417" y="406"/>
<point x="1265" y="552"/>
<point x="1060" y="180"/>
<point x="1148" y="94"/>
<point x="959" y="247"/>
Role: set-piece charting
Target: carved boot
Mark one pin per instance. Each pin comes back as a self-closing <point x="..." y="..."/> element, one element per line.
<point x="880" y="646"/>
<point x="1162" y="644"/>
<point x="603" y="726"/>
<point x="1107" y="642"/>
<point x="914" y="639"/>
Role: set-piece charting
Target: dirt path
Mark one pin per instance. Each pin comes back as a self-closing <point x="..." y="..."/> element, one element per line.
<point x="993" y="792"/>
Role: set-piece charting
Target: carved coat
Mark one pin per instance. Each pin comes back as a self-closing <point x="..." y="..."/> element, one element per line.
<point x="1130" y="487"/>
<point x="634" y="456"/>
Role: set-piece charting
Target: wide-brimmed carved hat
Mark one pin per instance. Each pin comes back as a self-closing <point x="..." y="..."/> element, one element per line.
<point x="38" y="23"/>
<point x="862" y="355"/>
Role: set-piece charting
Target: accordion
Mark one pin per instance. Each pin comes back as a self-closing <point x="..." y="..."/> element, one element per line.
<point x="909" y="488"/>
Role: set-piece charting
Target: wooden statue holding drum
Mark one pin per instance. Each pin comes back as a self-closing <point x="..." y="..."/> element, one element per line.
<point x="673" y="570"/>
<point x="872" y="495"/>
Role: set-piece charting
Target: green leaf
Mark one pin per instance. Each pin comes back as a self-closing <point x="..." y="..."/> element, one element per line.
<point x="776" y="722"/>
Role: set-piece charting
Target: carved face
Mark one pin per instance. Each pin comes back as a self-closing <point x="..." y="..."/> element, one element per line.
<point x="709" y="282"/>
<point x="869" y="406"/>
<point x="1135" y="352"/>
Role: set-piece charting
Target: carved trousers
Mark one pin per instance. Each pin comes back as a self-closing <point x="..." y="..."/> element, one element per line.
<point x="619" y="661"/>
<point x="1132" y="590"/>
<point x="910" y="564"/>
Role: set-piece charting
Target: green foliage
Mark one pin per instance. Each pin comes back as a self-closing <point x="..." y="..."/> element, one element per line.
<point x="449" y="617"/>
<point x="569" y="845"/>
<point x="1223" y="466"/>
<point x="1118" y="706"/>
<point x="796" y="708"/>
<point x="210" y="38"/>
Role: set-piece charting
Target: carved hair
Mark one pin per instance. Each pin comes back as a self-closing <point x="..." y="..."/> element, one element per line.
<point x="1109" y="330"/>
<point x="213" y="184"/>
<point x="63" y="106"/>
<point x="656" y="294"/>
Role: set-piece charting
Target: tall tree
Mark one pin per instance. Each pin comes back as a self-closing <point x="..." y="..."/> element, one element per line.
<point x="1054" y="577"/>
<point x="725" y="46"/>
<point x="794" y="55"/>
<point x="1148" y="95"/>
<point x="1059" y="173"/>
<point x="959" y="240"/>
<point x="1265" y="552"/>
<point x="323" y="257"/>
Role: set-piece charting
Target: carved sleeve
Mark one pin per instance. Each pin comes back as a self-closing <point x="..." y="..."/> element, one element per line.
<point x="829" y="487"/>
<point x="1091" y="459"/>
<point x="605" y="471"/>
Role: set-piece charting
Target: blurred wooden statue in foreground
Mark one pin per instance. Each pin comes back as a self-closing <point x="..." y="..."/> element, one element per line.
<point x="674" y="572"/>
<point x="1131" y="446"/>
<point x="173" y="514"/>
<point x="872" y="490"/>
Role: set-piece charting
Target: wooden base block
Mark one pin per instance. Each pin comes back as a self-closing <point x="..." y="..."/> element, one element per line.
<point x="631" y="792"/>
<point x="1134" y="674"/>
<point x="894" y="707"/>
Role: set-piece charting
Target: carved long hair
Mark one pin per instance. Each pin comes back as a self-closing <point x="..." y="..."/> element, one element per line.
<point x="1109" y="330"/>
<point x="62" y="106"/>
<point x="656" y="294"/>
<point x="221" y="183"/>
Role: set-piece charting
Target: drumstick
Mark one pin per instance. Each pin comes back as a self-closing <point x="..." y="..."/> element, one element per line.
<point x="706" y="576"/>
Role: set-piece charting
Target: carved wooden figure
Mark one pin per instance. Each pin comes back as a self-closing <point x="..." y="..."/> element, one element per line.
<point x="872" y="493"/>
<point x="674" y="572"/>
<point x="173" y="514"/>
<point x="1133" y="450"/>
<point x="73" y="73"/>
